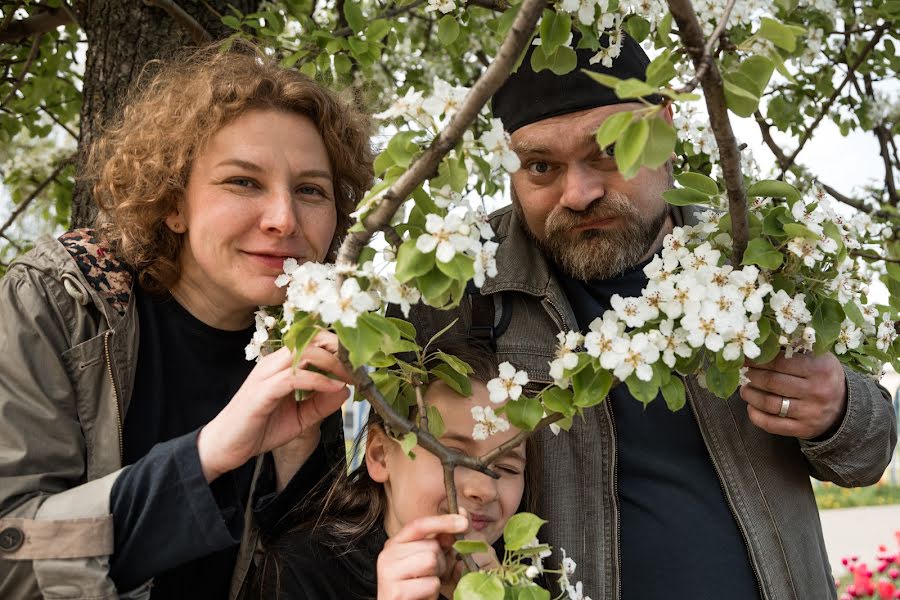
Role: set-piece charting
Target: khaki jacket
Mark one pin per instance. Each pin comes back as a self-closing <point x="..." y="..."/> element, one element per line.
<point x="68" y="347"/>
<point x="765" y="478"/>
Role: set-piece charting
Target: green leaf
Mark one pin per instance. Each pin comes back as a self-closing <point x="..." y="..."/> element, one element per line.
<point x="435" y="287"/>
<point x="793" y="230"/>
<point x="769" y="349"/>
<point x="563" y="61"/>
<point x="773" y="188"/>
<point x="355" y="18"/>
<point x="645" y="391"/>
<point x="530" y="592"/>
<point x="402" y="147"/>
<point x="436" y="426"/>
<point x="637" y="27"/>
<point x="524" y="413"/>
<point x="660" y="143"/>
<point x="479" y="585"/>
<point x="387" y="383"/>
<point x="408" y="442"/>
<point x="555" y="29"/>
<point x="462" y="267"/>
<point x="520" y="530"/>
<point x="775" y="220"/>
<point x="590" y="386"/>
<point x="471" y="546"/>
<point x="603" y="79"/>
<point x="827" y="319"/>
<point x="722" y="383"/>
<point x="460" y="384"/>
<point x="612" y="128"/>
<point x="630" y="147"/>
<point x="231" y="22"/>
<point x="458" y="365"/>
<point x="661" y="70"/>
<point x="342" y="63"/>
<point x="851" y="309"/>
<point x="377" y="29"/>
<point x="634" y="88"/>
<point x="698" y="181"/>
<point x="684" y="197"/>
<point x="740" y="101"/>
<point x="761" y="252"/>
<point x="758" y="70"/>
<point x="778" y="33"/>
<point x="558" y="400"/>
<point x="448" y="29"/>
<point x="674" y="393"/>
<point x="412" y="263"/>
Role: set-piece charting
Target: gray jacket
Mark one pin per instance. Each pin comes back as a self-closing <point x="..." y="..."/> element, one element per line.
<point x="765" y="478"/>
<point x="68" y="348"/>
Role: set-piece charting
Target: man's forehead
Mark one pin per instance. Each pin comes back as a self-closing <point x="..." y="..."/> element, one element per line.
<point x="564" y="130"/>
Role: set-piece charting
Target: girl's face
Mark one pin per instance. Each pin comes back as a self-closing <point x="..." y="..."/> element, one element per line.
<point x="415" y="488"/>
<point x="259" y="191"/>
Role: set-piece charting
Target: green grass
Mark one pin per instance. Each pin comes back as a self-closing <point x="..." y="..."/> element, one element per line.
<point x="831" y="496"/>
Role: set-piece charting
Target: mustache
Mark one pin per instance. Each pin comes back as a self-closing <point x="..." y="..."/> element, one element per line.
<point x="612" y="205"/>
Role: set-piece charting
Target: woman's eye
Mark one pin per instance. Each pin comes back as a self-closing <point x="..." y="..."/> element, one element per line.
<point x="310" y="190"/>
<point x="242" y="182"/>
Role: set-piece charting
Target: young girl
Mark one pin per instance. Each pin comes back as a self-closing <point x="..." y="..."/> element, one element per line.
<point x="383" y="531"/>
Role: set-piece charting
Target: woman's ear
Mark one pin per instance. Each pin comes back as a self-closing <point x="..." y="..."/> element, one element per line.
<point x="376" y="454"/>
<point x="175" y="223"/>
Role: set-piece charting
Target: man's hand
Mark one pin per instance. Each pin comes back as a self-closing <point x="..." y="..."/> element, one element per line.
<point x="813" y="386"/>
<point x="418" y="559"/>
<point x="263" y="414"/>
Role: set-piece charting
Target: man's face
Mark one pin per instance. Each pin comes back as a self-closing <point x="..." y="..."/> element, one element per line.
<point x="575" y="204"/>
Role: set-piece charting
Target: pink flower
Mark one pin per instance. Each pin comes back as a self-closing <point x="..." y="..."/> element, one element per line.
<point x="886" y="590"/>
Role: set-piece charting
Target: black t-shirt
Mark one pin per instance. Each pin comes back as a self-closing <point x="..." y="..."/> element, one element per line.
<point x="678" y="537"/>
<point x="186" y="373"/>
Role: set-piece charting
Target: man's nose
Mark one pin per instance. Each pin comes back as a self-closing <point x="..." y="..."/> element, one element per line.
<point x="582" y="186"/>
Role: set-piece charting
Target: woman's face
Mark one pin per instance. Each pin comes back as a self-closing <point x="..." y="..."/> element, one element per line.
<point x="415" y="488"/>
<point x="259" y="192"/>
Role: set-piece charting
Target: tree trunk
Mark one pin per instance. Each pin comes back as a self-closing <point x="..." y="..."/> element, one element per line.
<point x="122" y="36"/>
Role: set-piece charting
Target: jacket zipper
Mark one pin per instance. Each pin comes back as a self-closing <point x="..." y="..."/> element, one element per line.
<point x="112" y="381"/>
<point x="617" y="563"/>
<point x="724" y="491"/>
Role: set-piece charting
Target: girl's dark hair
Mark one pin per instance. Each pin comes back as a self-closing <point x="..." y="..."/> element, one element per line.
<point x="344" y="508"/>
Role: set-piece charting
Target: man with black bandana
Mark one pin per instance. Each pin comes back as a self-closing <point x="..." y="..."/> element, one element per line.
<point x="713" y="501"/>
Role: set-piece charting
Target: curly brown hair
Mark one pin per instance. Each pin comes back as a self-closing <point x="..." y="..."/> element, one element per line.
<point x="139" y="167"/>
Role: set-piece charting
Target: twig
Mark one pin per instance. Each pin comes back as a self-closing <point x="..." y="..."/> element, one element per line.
<point x="198" y="33"/>
<point x="388" y="14"/>
<point x="494" y="5"/>
<point x="713" y="90"/>
<point x="423" y="410"/>
<point x="12" y="242"/>
<point x="39" y="23"/>
<point x="490" y="81"/>
<point x="453" y="508"/>
<point x="764" y="127"/>
<point x="32" y="54"/>
<point x="391" y="235"/>
<point x="883" y="135"/>
<point x="31" y="197"/>
<point x="874" y="257"/>
<point x="517" y="439"/>
<point x="71" y="13"/>
<point x="57" y="121"/>
<point x="831" y="100"/>
<point x="708" y="49"/>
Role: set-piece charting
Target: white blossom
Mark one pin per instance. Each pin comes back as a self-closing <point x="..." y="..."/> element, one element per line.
<point x="634" y="311"/>
<point x="566" y="356"/>
<point x="496" y="142"/>
<point x="485" y="262"/>
<point x="635" y="355"/>
<point x="449" y="235"/>
<point x="789" y="312"/>
<point x="508" y="386"/>
<point x="849" y="338"/>
<point x="487" y="423"/>
<point x="348" y="304"/>
<point x="886" y="335"/>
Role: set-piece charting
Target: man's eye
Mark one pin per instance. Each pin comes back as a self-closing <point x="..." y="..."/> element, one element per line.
<point x="539" y="168"/>
<point x="609" y="151"/>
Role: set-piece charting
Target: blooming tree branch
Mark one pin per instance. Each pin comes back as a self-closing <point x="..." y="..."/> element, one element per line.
<point x="198" y="33"/>
<point x="709" y="49"/>
<point x="32" y="54"/>
<point x="714" y="93"/>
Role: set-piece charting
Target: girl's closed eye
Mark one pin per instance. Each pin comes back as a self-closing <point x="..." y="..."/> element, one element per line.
<point x="508" y="469"/>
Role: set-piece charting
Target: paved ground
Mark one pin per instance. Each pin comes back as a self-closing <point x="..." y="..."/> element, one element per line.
<point x="859" y="531"/>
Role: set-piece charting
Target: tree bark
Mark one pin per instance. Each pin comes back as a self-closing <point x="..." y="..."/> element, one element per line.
<point x="122" y="36"/>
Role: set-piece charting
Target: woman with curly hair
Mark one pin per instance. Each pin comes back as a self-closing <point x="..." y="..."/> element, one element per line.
<point x="129" y="416"/>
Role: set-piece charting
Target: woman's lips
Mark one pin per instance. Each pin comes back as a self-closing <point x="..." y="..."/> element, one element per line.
<point x="272" y="261"/>
<point x="479" y="522"/>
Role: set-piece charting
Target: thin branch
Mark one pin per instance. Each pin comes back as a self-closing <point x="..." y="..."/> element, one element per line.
<point x="708" y="49"/>
<point x="56" y="120"/>
<point x="453" y="508"/>
<point x="388" y="14"/>
<point x="10" y="13"/>
<point x="39" y="23"/>
<point x="198" y="33"/>
<point x="884" y="136"/>
<point x="423" y="410"/>
<point x="764" y="127"/>
<point x="391" y="235"/>
<point x="494" y="5"/>
<point x="517" y="439"/>
<point x="31" y="198"/>
<point x="70" y="12"/>
<point x="713" y="90"/>
<point x="32" y="55"/>
<point x="869" y="256"/>
<point x="493" y="77"/>
<point x="834" y="96"/>
<point x="12" y="242"/>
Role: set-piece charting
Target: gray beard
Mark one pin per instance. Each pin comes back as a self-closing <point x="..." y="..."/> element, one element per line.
<point x="597" y="253"/>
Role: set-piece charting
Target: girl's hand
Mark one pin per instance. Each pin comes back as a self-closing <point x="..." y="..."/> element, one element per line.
<point x="264" y="415"/>
<point x="415" y="561"/>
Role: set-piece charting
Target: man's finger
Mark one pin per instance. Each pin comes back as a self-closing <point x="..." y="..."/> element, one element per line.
<point x="771" y="403"/>
<point x="324" y="360"/>
<point x="774" y="424"/>
<point x="778" y="383"/>
<point x="429" y="527"/>
<point x="798" y="365"/>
